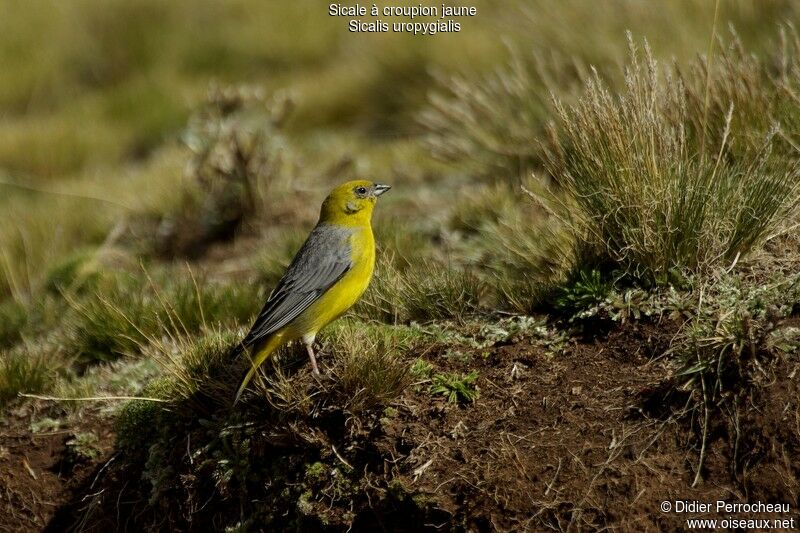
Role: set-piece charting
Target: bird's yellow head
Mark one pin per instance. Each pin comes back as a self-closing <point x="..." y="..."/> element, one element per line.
<point x="351" y="203"/>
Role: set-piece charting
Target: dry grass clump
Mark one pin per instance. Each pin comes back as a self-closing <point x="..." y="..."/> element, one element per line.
<point x="518" y="248"/>
<point x="127" y="314"/>
<point x="527" y="252"/>
<point x="365" y="367"/>
<point x="639" y="192"/>
<point x="25" y="370"/>
<point x="371" y="364"/>
<point x="492" y="125"/>
<point x="758" y="92"/>
<point x="425" y="291"/>
<point x="482" y="206"/>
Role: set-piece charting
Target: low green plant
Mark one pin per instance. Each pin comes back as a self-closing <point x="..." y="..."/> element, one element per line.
<point x="138" y="421"/>
<point x="724" y="353"/>
<point x="195" y="304"/>
<point x="128" y="313"/>
<point x="422" y="369"/>
<point x="456" y="388"/>
<point x="732" y="325"/>
<point x="587" y="289"/>
<point x="198" y="373"/>
<point x="82" y="447"/>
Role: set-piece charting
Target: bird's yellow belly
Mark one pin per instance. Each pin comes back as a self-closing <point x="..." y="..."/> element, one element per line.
<point x="342" y="296"/>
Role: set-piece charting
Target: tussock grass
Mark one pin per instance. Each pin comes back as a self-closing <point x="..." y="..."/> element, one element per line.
<point x="434" y="291"/>
<point x="371" y="366"/>
<point x="527" y="258"/>
<point x="733" y="90"/>
<point x="198" y="373"/>
<point x="13" y="318"/>
<point x="639" y="193"/>
<point x="428" y="290"/>
<point x="519" y="249"/>
<point x="493" y="124"/>
<point x="105" y="329"/>
<point x="484" y="206"/>
<point x="196" y="377"/>
<point x="127" y="314"/>
<point x="368" y="365"/>
<point x="25" y="370"/>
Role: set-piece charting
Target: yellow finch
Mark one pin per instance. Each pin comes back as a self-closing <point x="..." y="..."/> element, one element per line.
<point x="326" y="277"/>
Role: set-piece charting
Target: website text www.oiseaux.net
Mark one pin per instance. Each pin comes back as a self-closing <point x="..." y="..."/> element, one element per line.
<point x="733" y="515"/>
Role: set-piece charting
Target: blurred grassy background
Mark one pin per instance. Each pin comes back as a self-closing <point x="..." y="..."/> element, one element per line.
<point x="97" y="83"/>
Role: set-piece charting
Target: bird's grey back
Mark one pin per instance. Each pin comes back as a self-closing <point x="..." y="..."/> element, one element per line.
<point x="322" y="261"/>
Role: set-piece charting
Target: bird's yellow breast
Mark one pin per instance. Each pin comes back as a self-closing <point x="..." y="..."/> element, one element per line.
<point x="344" y="293"/>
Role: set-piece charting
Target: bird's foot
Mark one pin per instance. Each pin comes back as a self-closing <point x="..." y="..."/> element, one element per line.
<point x="313" y="358"/>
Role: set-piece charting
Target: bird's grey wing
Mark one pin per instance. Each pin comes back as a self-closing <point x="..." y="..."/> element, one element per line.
<point x="322" y="261"/>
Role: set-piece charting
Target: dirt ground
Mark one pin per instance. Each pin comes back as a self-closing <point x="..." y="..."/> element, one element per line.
<point x="39" y="472"/>
<point x="583" y="440"/>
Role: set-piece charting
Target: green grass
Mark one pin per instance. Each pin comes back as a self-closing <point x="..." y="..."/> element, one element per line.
<point x="125" y="315"/>
<point x="456" y="388"/>
<point x="640" y="193"/>
<point x="13" y="319"/>
<point x="24" y="370"/>
<point x="422" y="292"/>
<point x="371" y="363"/>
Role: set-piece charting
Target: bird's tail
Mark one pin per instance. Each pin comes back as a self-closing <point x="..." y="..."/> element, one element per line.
<point x="272" y="344"/>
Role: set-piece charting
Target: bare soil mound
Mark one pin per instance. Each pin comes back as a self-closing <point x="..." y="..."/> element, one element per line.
<point x="593" y="437"/>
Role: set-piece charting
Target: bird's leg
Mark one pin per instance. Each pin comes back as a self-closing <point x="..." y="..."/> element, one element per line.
<point x="310" y="348"/>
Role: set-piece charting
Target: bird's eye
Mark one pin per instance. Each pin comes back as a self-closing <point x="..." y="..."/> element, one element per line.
<point x="361" y="191"/>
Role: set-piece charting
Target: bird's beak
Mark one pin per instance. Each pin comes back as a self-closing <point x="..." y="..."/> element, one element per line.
<point x="380" y="189"/>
